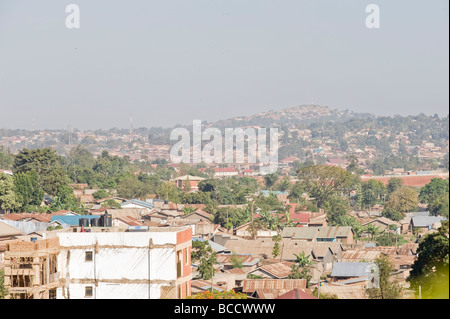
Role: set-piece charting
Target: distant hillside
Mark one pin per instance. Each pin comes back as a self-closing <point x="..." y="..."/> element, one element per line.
<point x="303" y="114"/>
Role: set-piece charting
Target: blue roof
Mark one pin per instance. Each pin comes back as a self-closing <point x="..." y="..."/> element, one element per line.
<point x="73" y="220"/>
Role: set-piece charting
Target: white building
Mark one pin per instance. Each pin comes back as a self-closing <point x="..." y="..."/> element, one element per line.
<point x="125" y="265"/>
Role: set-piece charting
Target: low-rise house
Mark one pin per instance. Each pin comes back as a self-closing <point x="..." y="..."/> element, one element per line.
<point x="318" y="220"/>
<point x="187" y="182"/>
<point x="118" y="200"/>
<point x="228" y="261"/>
<point x="425" y="223"/>
<point x="344" y="291"/>
<point x="258" y="287"/>
<point x="383" y="224"/>
<point x="8" y="232"/>
<point x="297" y="294"/>
<point x="359" y="255"/>
<point x="350" y="270"/>
<point x="324" y="253"/>
<point x="327" y="254"/>
<point x="199" y="215"/>
<point x="242" y="231"/>
<point x="200" y="285"/>
<point x="300" y="233"/>
<point x="225" y="172"/>
<point x="125" y="222"/>
<point x="342" y="234"/>
<point x="31" y="217"/>
<point x="280" y="270"/>
<point x="136" y="203"/>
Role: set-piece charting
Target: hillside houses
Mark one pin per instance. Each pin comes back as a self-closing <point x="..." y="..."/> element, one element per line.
<point x="341" y="234"/>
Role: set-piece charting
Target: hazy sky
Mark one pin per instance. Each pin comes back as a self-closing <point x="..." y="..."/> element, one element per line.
<point x="173" y="61"/>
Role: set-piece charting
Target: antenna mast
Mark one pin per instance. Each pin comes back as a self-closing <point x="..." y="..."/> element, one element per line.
<point x="131" y="127"/>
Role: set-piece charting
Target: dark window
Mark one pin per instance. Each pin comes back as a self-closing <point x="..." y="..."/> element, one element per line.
<point x="88" y="256"/>
<point x="88" y="291"/>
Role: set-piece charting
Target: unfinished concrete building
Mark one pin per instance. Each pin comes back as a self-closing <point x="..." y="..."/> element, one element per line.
<point x="154" y="264"/>
<point x="31" y="269"/>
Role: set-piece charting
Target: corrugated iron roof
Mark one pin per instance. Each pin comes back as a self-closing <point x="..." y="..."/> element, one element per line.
<point x="9" y="231"/>
<point x="425" y="221"/>
<point x="333" y="231"/>
<point x="350" y="269"/>
<point x="359" y="255"/>
<point x="300" y="232"/>
<point x="344" y="292"/>
<point x="278" y="270"/>
<point x="250" y="285"/>
<point x="288" y="247"/>
<point x="297" y="294"/>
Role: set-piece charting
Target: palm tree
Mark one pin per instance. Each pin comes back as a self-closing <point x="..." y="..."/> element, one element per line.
<point x="302" y="259"/>
<point x="188" y="209"/>
<point x="284" y="185"/>
<point x="372" y="230"/>
<point x="270" y="180"/>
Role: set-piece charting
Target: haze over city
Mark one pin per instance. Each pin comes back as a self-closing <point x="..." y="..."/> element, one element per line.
<point x="170" y="62"/>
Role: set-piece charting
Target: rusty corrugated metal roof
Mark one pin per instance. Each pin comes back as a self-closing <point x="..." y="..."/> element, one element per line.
<point x="250" y="285"/>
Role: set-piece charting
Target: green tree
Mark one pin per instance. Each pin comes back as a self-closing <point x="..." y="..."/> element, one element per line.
<point x="322" y="182"/>
<point x="402" y="201"/>
<point x="66" y="200"/>
<point x="6" y="159"/>
<point x="168" y="191"/>
<point x="372" y="192"/>
<point x="372" y="230"/>
<point x="353" y="165"/>
<point x="298" y="272"/>
<point x="80" y="164"/>
<point x="431" y="269"/>
<point x="336" y="208"/>
<point x="433" y="190"/>
<point x="270" y="180"/>
<point x="47" y="164"/>
<point x="203" y="255"/>
<point x="27" y="189"/>
<point x="302" y="259"/>
<point x="236" y="261"/>
<point x="276" y="245"/>
<point x="394" y="183"/>
<point x="440" y="205"/>
<point x="101" y="194"/>
<point x="9" y="201"/>
<point x="3" y="290"/>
